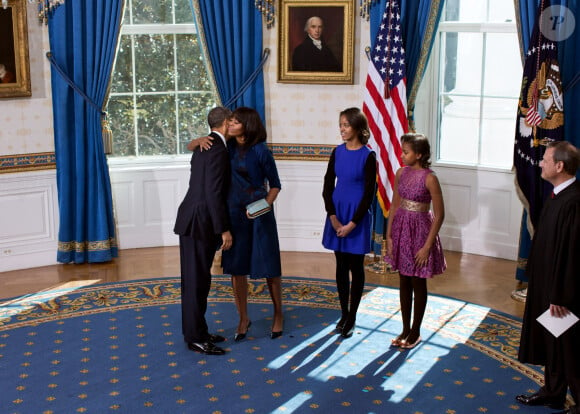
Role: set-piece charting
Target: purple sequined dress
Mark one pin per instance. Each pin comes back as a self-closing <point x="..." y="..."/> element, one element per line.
<point x="411" y="227"/>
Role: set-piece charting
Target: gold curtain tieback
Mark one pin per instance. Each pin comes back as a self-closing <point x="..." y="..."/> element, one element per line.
<point x="411" y="205"/>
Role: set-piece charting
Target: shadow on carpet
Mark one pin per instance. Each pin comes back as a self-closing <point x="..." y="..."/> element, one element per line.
<point x="118" y="348"/>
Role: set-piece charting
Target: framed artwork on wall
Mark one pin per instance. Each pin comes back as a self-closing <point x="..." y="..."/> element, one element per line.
<point x="14" y="61"/>
<point x="316" y="41"/>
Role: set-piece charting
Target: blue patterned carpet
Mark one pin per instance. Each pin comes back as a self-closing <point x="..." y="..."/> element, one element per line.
<point x="118" y="348"/>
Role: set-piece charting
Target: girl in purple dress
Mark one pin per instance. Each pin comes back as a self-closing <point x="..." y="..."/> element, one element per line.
<point x="413" y="245"/>
<point x="349" y="187"/>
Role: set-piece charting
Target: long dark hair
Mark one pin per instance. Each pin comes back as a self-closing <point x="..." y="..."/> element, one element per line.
<point x="357" y="121"/>
<point x="254" y="129"/>
<point x="420" y="145"/>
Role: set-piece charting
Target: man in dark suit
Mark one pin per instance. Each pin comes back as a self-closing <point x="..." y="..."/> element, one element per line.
<point x="554" y="283"/>
<point x="312" y="54"/>
<point x="202" y="225"/>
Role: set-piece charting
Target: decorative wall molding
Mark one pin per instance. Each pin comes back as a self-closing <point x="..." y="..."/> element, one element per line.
<point x="27" y="162"/>
<point x="47" y="160"/>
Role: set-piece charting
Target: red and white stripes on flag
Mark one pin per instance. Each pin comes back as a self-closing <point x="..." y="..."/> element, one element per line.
<point x="385" y="101"/>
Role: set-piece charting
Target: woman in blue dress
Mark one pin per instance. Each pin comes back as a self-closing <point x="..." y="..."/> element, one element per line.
<point x="349" y="188"/>
<point x="255" y="250"/>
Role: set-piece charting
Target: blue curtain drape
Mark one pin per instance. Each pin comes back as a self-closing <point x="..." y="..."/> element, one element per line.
<point x="419" y="21"/>
<point x="569" y="59"/>
<point x="233" y="34"/>
<point x="83" y="38"/>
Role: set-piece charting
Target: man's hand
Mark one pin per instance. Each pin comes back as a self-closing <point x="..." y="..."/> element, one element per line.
<point x="226" y="240"/>
<point x="558" y="311"/>
<point x="204" y="142"/>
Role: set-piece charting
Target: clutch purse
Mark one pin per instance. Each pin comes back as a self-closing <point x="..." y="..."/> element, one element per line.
<point x="257" y="208"/>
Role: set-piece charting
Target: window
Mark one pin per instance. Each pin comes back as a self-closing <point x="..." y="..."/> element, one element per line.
<point x="161" y="91"/>
<point x="479" y="83"/>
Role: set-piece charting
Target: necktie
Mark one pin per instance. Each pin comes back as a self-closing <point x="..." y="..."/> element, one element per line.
<point x="552" y="195"/>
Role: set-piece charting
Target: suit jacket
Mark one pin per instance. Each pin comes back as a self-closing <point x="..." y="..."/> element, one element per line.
<point x="203" y="213"/>
<point x="307" y="57"/>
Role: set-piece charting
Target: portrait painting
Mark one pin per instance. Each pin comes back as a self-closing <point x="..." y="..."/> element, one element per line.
<point x="14" y="61"/>
<point x="316" y="42"/>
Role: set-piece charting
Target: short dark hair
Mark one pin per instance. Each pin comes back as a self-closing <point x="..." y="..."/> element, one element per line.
<point x="420" y="145"/>
<point x="568" y="154"/>
<point x="357" y="121"/>
<point x="254" y="129"/>
<point x="217" y="116"/>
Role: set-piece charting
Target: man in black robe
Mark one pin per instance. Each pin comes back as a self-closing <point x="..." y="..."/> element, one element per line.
<point x="312" y="54"/>
<point x="554" y="283"/>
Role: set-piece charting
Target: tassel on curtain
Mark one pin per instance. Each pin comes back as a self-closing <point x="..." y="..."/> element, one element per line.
<point x="46" y="7"/>
<point x="268" y="10"/>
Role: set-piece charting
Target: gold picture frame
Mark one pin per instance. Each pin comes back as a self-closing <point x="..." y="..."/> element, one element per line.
<point x="298" y="61"/>
<point x="14" y="60"/>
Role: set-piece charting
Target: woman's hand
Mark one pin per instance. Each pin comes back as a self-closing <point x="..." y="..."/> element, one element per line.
<point x="389" y="242"/>
<point x="335" y="223"/>
<point x="345" y="230"/>
<point x="422" y="256"/>
<point x="204" y="142"/>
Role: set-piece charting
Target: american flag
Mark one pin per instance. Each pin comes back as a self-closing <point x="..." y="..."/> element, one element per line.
<point x="385" y="101"/>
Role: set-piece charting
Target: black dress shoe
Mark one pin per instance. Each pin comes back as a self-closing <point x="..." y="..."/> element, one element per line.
<point x="537" y="399"/>
<point x="571" y="410"/>
<point x="207" y="348"/>
<point x="215" y="338"/>
<point x="275" y="334"/>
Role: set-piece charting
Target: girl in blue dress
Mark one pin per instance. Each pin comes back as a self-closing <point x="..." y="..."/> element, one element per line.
<point x="349" y="188"/>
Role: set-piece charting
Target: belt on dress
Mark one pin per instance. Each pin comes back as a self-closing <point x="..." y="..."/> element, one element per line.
<point x="411" y="205"/>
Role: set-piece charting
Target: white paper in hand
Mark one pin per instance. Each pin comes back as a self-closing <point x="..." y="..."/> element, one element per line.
<point x="557" y="326"/>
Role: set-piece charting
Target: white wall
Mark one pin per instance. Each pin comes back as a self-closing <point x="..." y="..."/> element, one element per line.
<point x="482" y="209"/>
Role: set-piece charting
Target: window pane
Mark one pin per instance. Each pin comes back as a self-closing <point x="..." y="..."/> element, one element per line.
<point x="459" y="133"/>
<point x="462" y="58"/>
<point x="498" y="131"/>
<point x="154" y="67"/>
<point x="465" y="10"/>
<point x="120" y="114"/>
<point x="190" y="65"/>
<point x="193" y="110"/>
<point x="503" y="66"/>
<point x="152" y="11"/>
<point x="183" y="12"/>
<point x="156" y="124"/>
<point x="127" y="13"/>
<point x="501" y="11"/>
<point x="123" y="71"/>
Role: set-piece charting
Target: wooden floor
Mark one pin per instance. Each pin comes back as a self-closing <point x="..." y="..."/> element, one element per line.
<point x="477" y="279"/>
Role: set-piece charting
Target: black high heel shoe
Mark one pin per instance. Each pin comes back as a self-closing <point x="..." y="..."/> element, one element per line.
<point x="239" y="336"/>
<point x="276" y="334"/>
<point x="348" y="328"/>
<point x="340" y="324"/>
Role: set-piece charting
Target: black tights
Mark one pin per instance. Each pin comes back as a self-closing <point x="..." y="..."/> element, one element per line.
<point x="353" y="263"/>
<point x="412" y="286"/>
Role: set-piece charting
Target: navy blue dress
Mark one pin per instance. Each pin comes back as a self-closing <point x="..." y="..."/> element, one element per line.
<point x="351" y="198"/>
<point x="255" y="250"/>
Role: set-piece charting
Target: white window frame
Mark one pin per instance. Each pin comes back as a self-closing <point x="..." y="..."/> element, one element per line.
<point x="140" y="161"/>
<point x="433" y="77"/>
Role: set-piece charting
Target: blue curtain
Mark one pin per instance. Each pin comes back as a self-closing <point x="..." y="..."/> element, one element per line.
<point x="569" y="59"/>
<point x="83" y="38"/>
<point x="419" y="20"/>
<point x="233" y="34"/>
